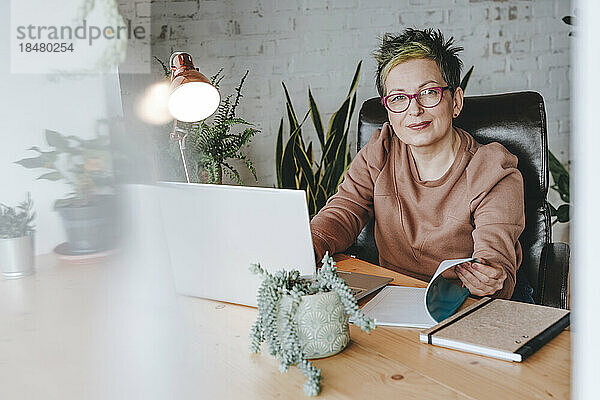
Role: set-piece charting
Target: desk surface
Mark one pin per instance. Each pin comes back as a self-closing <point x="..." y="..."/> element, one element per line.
<point x="116" y="331"/>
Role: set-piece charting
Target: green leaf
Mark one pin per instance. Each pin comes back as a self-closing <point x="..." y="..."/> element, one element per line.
<point x="166" y="70"/>
<point x="465" y="80"/>
<point x="553" y="211"/>
<point x="338" y="167"/>
<point x="354" y="83"/>
<point x="289" y="166"/>
<point x="309" y="152"/>
<point x="563" y="187"/>
<point x="279" y="153"/>
<point x="316" y="118"/>
<point x="560" y="176"/>
<point x="342" y="175"/>
<point x="293" y="121"/>
<point x="563" y="213"/>
<point x="311" y="201"/>
<point x="305" y="166"/>
<point x="57" y="140"/>
<point x="52" y="176"/>
<point x="335" y="135"/>
<point x="337" y="123"/>
<point x="34" y="162"/>
<point x="321" y="198"/>
<point x="556" y="168"/>
<point x="352" y="105"/>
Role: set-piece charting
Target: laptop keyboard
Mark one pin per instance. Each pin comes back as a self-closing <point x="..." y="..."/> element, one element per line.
<point x="356" y="291"/>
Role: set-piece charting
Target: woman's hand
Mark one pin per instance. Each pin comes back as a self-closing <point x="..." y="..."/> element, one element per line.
<point x="481" y="278"/>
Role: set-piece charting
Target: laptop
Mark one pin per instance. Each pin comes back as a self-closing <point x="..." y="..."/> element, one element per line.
<point x="214" y="233"/>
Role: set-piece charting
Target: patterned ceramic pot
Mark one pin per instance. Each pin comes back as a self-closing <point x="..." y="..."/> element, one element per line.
<point x="322" y="323"/>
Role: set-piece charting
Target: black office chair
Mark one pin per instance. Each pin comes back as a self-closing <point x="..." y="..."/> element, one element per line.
<point x="517" y="121"/>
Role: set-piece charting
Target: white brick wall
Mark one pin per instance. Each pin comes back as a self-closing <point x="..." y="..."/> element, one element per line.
<point x="514" y="45"/>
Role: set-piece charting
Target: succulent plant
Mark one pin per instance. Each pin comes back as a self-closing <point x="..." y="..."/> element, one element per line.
<point x="284" y="343"/>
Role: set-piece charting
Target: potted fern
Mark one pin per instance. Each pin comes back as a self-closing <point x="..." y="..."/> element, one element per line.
<point x="302" y="319"/>
<point x="212" y="146"/>
<point x="88" y="213"/>
<point x="16" y="239"/>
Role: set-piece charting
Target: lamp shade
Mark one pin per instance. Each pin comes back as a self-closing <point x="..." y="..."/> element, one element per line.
<point x="193" y="97"/>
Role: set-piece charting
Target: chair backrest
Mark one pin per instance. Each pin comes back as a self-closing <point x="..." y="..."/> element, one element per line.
<point x="518" y="122"/>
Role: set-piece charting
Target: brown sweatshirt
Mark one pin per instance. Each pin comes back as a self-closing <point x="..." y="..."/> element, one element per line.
<point x="475" y="209"/>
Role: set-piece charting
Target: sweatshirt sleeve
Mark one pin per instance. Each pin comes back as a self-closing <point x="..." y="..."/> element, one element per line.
<point x="337" y="225"/>
<point x="498" y="211"/>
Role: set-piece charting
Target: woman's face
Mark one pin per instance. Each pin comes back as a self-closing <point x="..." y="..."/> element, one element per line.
<point x="419" y="126"/>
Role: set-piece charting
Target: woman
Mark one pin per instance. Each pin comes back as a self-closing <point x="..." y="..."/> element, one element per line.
<point x="435" y="192"/>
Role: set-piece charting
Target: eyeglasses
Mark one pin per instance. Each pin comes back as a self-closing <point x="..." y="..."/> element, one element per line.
<point x="428" y="98"/>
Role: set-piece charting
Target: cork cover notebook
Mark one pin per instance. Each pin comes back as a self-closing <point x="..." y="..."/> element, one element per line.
<point x="499" y="328"/>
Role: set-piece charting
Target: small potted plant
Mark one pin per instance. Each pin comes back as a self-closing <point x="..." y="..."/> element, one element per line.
<point x="303" y="319"/>
<point x="212" y="148"/>
<point x="16" y="239"/>
<point x="88" y="213"/>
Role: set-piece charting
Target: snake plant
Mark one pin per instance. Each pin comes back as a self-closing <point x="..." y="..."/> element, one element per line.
<point x="295" y="165"/>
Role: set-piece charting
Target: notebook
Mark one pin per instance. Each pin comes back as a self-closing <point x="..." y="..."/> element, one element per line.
<point x="499" y="328"/>
<point x="418" y="307"/>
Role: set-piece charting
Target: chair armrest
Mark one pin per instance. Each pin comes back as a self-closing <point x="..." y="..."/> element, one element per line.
<point x="365" y="248"/>
<point x="554" y="273"/>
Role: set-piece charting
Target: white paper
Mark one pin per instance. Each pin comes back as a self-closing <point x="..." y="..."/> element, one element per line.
<point x="406" y="306"/>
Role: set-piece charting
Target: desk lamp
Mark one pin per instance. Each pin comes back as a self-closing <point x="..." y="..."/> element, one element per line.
<point x="192" y="97"/>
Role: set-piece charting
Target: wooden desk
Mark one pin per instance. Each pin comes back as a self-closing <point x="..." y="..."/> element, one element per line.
<point x="117" y="330"/>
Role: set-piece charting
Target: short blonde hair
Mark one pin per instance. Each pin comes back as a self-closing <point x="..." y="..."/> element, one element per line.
<point x="413" y="44"/>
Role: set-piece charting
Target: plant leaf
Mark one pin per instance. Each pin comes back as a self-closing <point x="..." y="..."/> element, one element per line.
<point x="563" y="187"/>
<point x="293" y="121"/>
<point x="556" y="168"/>
<point x="279" y="153"/>
<point x="465" y="80"/>
<point x="352" y="105"/>
<point x="560" y="176"/>
<point x="316" y="118"/>
<point x="52" y="176"/>
<point x="57" y="140"/>
<point x="321" y="198"/>
<point x="563" y="213"/>
<point x="166" y="70"/>
<point x="305" y="166"/>
<point x="34" y="162"/>
<point x="289" y="166"/>
<point x="311" y="201"/>
<point x="354" y="83"/>
<point x="338" y="167"/>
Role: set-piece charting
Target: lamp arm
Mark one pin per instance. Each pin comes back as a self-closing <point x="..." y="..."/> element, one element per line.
<point x="180" y="135"/>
